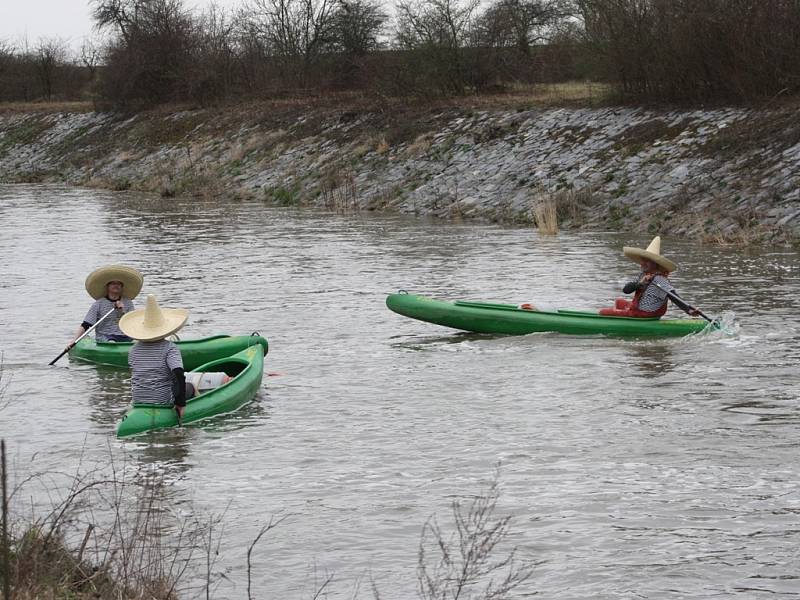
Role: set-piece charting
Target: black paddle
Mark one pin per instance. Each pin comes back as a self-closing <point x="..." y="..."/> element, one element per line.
<point x="683" y="304"/>
<point x="83" y="335"/>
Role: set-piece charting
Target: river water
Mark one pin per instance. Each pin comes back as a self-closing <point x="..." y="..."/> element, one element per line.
<point x="630" y="468"/>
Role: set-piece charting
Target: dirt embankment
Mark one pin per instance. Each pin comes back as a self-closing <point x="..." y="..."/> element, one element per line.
<point x="728" y="175"/>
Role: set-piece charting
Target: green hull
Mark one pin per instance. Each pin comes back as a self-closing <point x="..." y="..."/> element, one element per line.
<point x="482" y="317"/>
<point x="194" y="352"/>
<point x="246" y="368"/>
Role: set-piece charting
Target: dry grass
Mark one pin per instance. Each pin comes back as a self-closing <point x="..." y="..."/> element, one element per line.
<point x="566" y="205"/>
<point x="420" y="145"/>
<point x="46" y="107"/>
<point x="544" y="206"/>
<point x="382" y="147"/>
<point x="569" y="93"/>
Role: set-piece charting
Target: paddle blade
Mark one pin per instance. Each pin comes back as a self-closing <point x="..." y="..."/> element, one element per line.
<point x="55" y="360"/>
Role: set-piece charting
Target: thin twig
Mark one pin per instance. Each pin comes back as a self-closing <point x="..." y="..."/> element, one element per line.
<point x="264" y="530"/>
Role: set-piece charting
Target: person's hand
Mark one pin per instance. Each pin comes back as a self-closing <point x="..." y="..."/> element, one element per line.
<point x="118" y="304"/>
<point x="694" y="312"/>
<point x="646" y="278"/>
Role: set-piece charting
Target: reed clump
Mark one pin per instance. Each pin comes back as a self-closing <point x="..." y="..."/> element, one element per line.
<point x="567" y="206"/>
<point x="545" y="212"/>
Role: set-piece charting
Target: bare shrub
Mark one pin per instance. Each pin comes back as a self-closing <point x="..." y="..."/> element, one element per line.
<point x="572" y="204"/>
<point x="184" y="176"/>
<point x="339" y="192"/>
<point x="464" y="564"/>
<point x="106" y="537"/>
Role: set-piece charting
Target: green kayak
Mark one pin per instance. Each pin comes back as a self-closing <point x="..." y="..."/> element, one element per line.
<point x="246" y="369"/>
<point x="194" y="352"/>
<point x="482" y="317"/>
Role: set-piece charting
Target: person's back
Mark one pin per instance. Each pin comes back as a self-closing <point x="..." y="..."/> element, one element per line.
<point x="152" y="365"/>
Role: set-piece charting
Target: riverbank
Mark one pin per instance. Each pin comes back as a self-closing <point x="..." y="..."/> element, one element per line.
<point x="723" y="175"/>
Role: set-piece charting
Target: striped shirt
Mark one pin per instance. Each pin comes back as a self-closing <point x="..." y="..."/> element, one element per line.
<point x="653" y="298"/>
<point x="151" y="371"/>
<point x="110" y="325"/>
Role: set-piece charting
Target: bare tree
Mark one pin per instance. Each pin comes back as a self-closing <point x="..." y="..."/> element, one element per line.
<point x="439" y="29"/>
<point x="357" y="26"/>
<point x="214" y="60"/>
<point x="520" y="24"/>
<point x="90" y="55"/>
<point x="149" y="57"/>
<point x="293" y="30"/>
<point x="50" y="54"/>
<point x="117" y="15"/>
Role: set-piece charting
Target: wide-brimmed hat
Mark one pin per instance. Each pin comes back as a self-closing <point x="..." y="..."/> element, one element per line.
<point x="653" y="253"/>
<point x="98" y="279"/>
<point x="152" y="322"/>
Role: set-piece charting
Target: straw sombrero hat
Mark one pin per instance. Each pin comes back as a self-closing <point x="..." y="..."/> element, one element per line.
<point x="653" y="253"/>
<point x="152" y="322"/>
<point x="98" y="279"/>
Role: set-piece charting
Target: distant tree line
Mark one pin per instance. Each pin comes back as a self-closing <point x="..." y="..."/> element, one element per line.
<point x="695" y="50"/>
<point x="45" y="71"/>
<point x="158" y="51"/>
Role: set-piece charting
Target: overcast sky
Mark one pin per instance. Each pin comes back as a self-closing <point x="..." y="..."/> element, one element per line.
<point x="67" y="19"/>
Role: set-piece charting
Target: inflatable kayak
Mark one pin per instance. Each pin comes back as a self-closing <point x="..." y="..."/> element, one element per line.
<point x="483" y="317"/>
<point x="194" y="352"/>
<point x="246" y="368"/>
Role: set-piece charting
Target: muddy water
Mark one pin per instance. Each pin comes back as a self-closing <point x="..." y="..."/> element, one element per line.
<point x="631" y="468"/>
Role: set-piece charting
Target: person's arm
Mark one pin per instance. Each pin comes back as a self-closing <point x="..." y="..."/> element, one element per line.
<point x="180" y="386"/>
<point x="90" y="319"/>
<point x="634" y="284"/>
<point x="175" y="364"/>
<point x="663" y="284"/>
<point x="630" y="287"/>
<point x="81" y="330"/>
<point x="682" y="304"/>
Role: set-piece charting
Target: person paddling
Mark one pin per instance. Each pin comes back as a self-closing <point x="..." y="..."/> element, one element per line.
<point x="157" y="375"/>
<point x="651" y="288"/>
<point x="113" y="288"/>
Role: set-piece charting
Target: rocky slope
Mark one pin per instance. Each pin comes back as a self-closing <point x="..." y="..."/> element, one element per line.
<point x="725" y="175"/>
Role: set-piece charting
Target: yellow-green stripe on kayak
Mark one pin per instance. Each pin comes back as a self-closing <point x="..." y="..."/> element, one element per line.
<point x="484" y="317"/>
<point x="246" y="368"/>
<point x="193" y="352"/>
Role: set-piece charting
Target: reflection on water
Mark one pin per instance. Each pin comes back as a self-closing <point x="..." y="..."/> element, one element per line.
<point x="642" y="468"/>
<point x="652" y="358"/>
<point x="109" y="394"/>
<point x="167" y="453"/>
